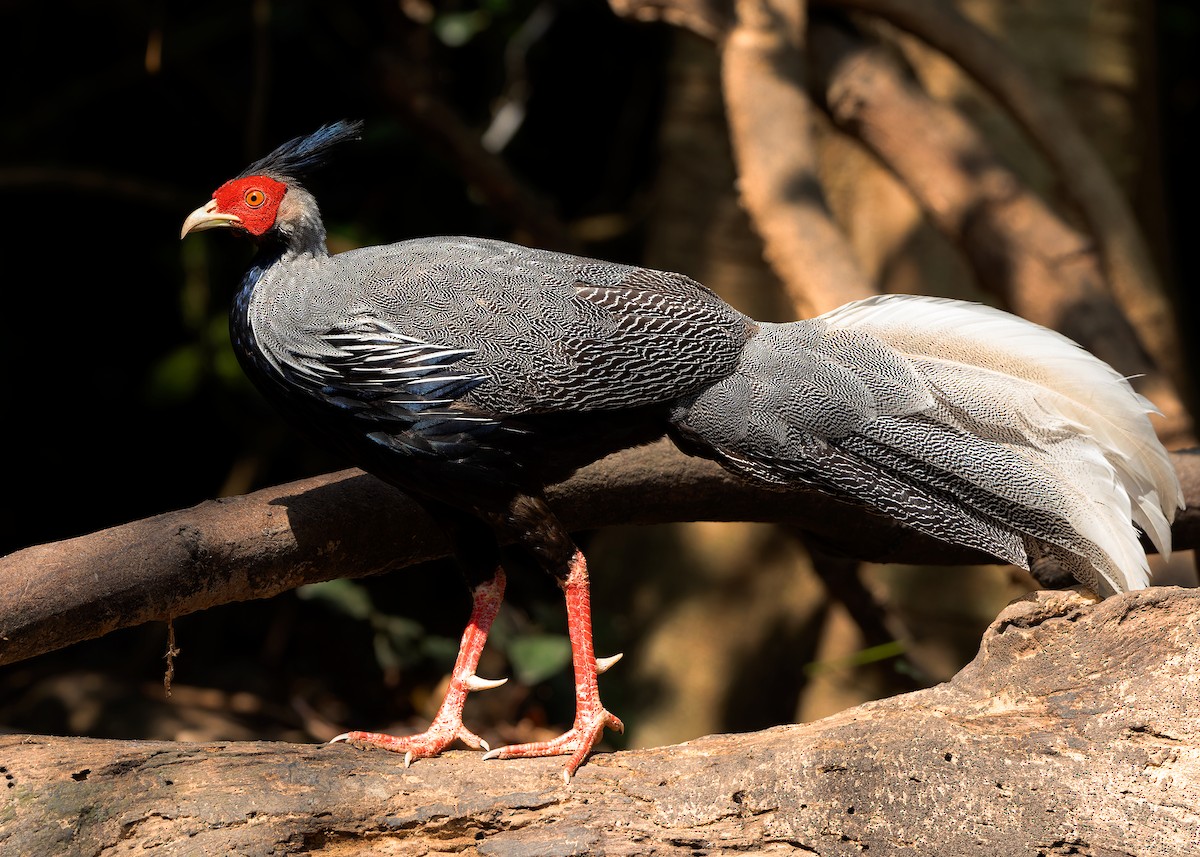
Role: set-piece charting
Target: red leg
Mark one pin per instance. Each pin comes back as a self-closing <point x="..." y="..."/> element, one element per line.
<point x="448" y="725"/>
<point x="591" y="718"/>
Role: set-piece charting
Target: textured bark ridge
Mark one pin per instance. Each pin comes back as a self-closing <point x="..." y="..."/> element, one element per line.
<point x="351" y="525"/>
<point x="1074" y="731"/>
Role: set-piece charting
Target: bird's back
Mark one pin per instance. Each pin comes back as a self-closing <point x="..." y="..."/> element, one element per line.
<point x="462" y="338"/>
<point x="523" y="364"/>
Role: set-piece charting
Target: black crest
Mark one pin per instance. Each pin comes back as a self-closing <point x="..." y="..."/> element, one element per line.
<point x="296" y="158"/>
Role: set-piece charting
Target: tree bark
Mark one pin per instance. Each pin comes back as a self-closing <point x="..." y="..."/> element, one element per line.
<point x="770" y="126"/>
<point x="1130" y="272"/>
<point x="1108" y="298"/>
<point x="1019" y="249"/>
<point x="349" y="524"/>
<point x="1072" y="732"/>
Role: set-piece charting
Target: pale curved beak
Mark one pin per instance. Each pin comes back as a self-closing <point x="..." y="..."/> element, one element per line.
<point x="207" y="217"/>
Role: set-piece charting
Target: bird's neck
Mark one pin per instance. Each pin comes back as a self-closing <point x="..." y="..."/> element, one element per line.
<point x="301" y="231"/>
<point x="300" y="235"/>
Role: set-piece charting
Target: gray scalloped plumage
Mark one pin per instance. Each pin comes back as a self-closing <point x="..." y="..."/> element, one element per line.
<point x="510" y="366"/>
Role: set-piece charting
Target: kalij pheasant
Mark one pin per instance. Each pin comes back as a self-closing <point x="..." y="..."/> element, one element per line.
<point x="471" y="373"/>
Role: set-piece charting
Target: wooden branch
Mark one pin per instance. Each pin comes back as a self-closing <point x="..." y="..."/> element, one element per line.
<point x="1085" y="178"/>
<point x="1056" y="278"/>
<point x="770" y="118"/>
<point x="709" y="19"/>
<point x="138" y="191"/>
<point x="528" y="213"/>
<point x="1020" y="250"/>
<point x="349" y="524"/>
<point x="1072" y="731"/>
<point x="770" y="126"/>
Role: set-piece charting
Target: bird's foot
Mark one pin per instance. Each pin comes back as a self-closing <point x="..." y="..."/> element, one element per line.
<point x="427" y="744"/>
<point x="445" y="729"/>
<point x="447" y="726"/>
<point x="578" y="741"/>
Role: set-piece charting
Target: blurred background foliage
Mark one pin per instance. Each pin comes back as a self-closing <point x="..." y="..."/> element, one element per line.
<point x="546" y="121"/>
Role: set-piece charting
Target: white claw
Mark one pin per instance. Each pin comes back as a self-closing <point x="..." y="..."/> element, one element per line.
<point x="407" y="758"/>
<point x="603" y="665"/>
<point x="474" y="682"/>
<point x="493" y="754"/>
<point x="567" y="774"/>
<point x="345" y="736"/>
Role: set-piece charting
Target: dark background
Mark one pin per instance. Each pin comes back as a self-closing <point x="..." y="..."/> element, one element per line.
<point x="122" y="398"/>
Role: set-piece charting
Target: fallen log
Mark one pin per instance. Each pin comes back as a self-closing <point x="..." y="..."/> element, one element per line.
<point x="1074" y="731"/>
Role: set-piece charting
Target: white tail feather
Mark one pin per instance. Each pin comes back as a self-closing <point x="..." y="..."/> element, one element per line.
<point x="1064" y="402"/>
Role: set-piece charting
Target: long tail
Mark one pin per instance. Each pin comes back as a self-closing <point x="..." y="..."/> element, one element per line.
<point x="962" y="421"/>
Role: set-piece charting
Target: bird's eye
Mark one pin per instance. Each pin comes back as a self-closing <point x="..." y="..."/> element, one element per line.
<point x="255" y="198"/>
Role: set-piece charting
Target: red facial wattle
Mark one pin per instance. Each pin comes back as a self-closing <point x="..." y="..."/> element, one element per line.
<point x="254" y="199"/>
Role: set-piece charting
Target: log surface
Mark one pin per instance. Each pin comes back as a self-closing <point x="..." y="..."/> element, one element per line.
<point x="1074" y="731"/>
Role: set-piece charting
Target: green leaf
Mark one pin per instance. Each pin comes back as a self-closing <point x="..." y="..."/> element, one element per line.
<point x="860" y="658"/>
<point x="344" y="596"/>
<point x="439" y="650"/>
<point x="455" y="29"/>
<point x="177" y="375"/>
<point x="536" y="657"/>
